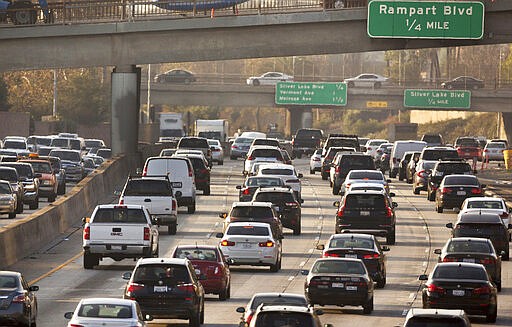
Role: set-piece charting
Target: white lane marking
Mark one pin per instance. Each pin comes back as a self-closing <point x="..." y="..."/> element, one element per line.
<point x="404" y="313"/>
<point x="425" y="263"/>
<point x="291" y="278"/>
<point x="319" y="209"/>
<point x="426" y="250"/>
<point x="302" y="264"/>
<point x="426" y="238"/>
<point x="319" y="227"/>
<point x="424" y="227"/>
<point x="317" y="238"/>
<point x="411" y="295"/>
<point x="311" y="250"/>
<point x="208" y="235"/>
<point x="321" y="217"/>
<point x="216" y="224"/>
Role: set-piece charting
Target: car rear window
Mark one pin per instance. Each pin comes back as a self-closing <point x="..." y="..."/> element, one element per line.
<point x="371" y="175"/>
<point x="274" y="197"/>
<point x="469" y="246"/>
<point x="11" y="144"/>
<point x="277" y="171"/>
<point x="66" y="155"/>
<point x="429" y="154"/>
<point x="460" y="272"/>
<point x="161" y="274"/>
<point x="343" y="142"/>
<point x="460" y="180"/>
<point x="104" y="310"/>
<point x="41" y="167"/>
<point x="357" y="162"/>
<point x="24" y="171"/>
<point x="5" y="189"/>
<point x="243" y="140"/>
<point x="435" y="322"/>
<point x="432" y="138"/>
<point x="282" y="299"/>
<point x="485" y="204"/>
<point x="193" y="143"/>
<point x="8" y="282"/>
<point x="257" y="181"/>
<point x="462" y="167"/>
<point x="376" y="201"/>
<point x="251" y="211"/>
<point x="146" y="187"/>
<point x="468" y="142"/>
<point x="248" y="230"/>
<point x="120" y="215"/>
<point x="284" y="318"/>
<point x="361" y="243"/>
<point x="196" y="254"/>
<point x="8" y="175"/>
<point x="338" y="266"/>
<point x="265" y="142"/>
<point x="309" y="134"/>
<point x="267" y="153"/>
<point x="496" y="145"/>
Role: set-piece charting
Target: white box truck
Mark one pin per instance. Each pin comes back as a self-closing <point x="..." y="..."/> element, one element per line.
<point x="171" y="124"/>
<point x="217" y="129"/>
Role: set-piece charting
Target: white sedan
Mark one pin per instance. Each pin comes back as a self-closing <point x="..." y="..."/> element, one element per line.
<point x="217" y="151"/>
<point x="107" y="312"/>
<point x="270" y="78"/>
<point x="367" y="80"/>
<point x="487" y="204"/>
<point x="286" y="172"/>
<point x="315" y="163"/>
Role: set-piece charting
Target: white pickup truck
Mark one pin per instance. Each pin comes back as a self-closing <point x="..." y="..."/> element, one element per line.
<point x="118" y="232"/>
<point x="156" y="194"/>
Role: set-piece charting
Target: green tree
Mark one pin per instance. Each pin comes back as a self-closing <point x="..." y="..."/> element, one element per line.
<point x="4" y="104"/>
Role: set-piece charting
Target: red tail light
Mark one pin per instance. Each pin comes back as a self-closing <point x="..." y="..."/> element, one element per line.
<point x="371" y="256"/>
<point x="328" y="254"/>
<point x="476" y="191"/>
<point x="292" y="204"/>
<point x="449" y="259"/>
<point x="337" y="169"/>
<point x="486" y="150"/>
<point x="246" y="191"/>
<point x="121" y="200"/>
<point x="317" y="159"/>
<point x="446" y="190"/>
<point x="75" y="325"/>
<point x="146" y="233"/>
<point x="227" y="243"/>
<point x="340" y="211"/>
<point x="435" y="289"/>
<point x="250" y="158"/>
<point x="504" y="215"/>
<point x="249" y="318"/>
<point x="19" y="298"/>
<point x="87" y="233"/>
<point x="145" y="171"/>
<point x="487" y="261"/>
<point x="189" y="288"/>
<point x="174" y="204"/>
<point x="421" y="173"/>
<point x="389" y="212"/>
<point x="133" y="287"/>
<point x="369" y="148"/>
<point x="190" y="172"/>
<point x="379" y="151"/>
<point x="267" y="244"/>
<point x="234" y="147"/>
<point x="482" y="290"/>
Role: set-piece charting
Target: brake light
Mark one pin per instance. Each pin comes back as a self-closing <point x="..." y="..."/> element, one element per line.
<point x="341" y="209"/>
<point x="446" y="190"/>
<point x="435" y="289"/>
<point x="389" y="212"/>
<point x="487" y="261"/>
<point x="482" y="290"/>
<point x="121" y="200"/>
<point x="267" y="244"/>
<point x="371" y="256"/>
<point x="292" y="204"/>
<point x="19" y="298"/>
<point x="87" y="233"/>
<point x="504" y="215"/>
<point x="369" y="148"/>
<point x="476" y="191"/>
<point x="190" y="172"/>
<point x="234" y="147"/>
<point x="249" y="318"/>
<point x="250" y="158"/>
<point x="246" y="192"/>
<point x="449" y="259"/>
<point x="145" y="171"/>
<point x="337" y="169"/>
<point x="75" y="325"/>
<point x="174" y="204"/>
<point x="186" y="288"/>
<point x="379" y="151"/>
<point x="486" y="150"/>
<point x="328" y="254"/>
<point x="421" y="173"/>
<point x="227" y="243"/>
<point x="133" y="287"/>
<point x="316" y="159"/>
<point x="146" y="233"/>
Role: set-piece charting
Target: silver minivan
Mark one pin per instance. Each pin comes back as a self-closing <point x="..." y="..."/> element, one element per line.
<point x="181" y="175"/>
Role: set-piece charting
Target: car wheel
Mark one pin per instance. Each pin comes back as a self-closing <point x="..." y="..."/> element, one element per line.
<point x="191" y="208"/>
<point x="324" y="176"/>
<point x="12" y="215"/>
<point x="255" y="82"/>
<point x="51" y="198"/>
<point x="206" y="190"/>
<point x="439" y="208"/>
<point x="275" y="267"/>
<point x="19" y="207"/>
<point x="223" y="295"/>
<point x="368" y="306"/>
<point x="61" y="189"/>
<point x="297" y="229"/>
<point x="171" y="229"/>
<point x="498" y="286"/>
<point x="377" y="85"/>
<point x="492" y="315"/>
<point x="381" y="282"/>
<point x="195" y="320"/>
<point x="391" y="238"/>
<point x="350" y="84"/>
<point x="415" y="191"/>
<point x="506" y="257"/>
<point x="90" y="260"/>
<point x="34" y="205"/>
<point x="311" y="171"/>
<point x="201" y="316"/>
<point x="221" y="162"/>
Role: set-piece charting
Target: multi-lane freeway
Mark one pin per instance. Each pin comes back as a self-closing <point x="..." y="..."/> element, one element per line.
<point x="58" y="270"/>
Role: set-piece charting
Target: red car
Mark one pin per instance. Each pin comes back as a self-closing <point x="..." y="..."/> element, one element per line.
<point x="208" y="262"/>
<point x="468" y="148"/>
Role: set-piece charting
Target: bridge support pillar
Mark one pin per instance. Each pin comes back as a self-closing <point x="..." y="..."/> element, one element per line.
<point x="125" y="109"/>
<point x="507" y="124"/>
<point x="298" y="117"/>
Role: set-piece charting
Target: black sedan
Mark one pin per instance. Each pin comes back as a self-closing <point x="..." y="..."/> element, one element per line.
<point x="485" y="225"/>
<point x="359" y="246"/>
<point x="463" y="82"/>
<point x="461" y="285"/>
<point x="454" y="189"/>
<point x="18" y="302"/>
<point x="251" y="184"/>
<point x="339" y="281"/>
<point x="473" y="250"/>
<point x="176" y="76"/>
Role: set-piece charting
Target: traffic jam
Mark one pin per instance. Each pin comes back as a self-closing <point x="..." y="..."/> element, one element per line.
<point x="348" y="268"/>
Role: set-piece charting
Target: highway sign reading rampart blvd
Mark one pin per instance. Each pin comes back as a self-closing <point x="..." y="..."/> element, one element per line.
<point x="426" y="19"/>
<point x="440" y="99"/>
<point x="311" y="93"/>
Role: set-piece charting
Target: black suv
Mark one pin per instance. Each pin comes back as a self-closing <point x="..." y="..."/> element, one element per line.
<point x="285" y="203"/>
<point x="196" y="143"/>
<point x="166" y="288"/>
<point x="368" y="212"/>
<point x="201" y="171"/>
<point x="444" y="168"/>
<point x="347" y="162"/>
<point x="306" y="140"/>
<point x="328" y="159"/>
<point x="342" y="140"/>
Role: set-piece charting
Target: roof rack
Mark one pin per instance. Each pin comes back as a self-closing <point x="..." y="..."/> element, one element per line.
<point x="452" y="159"/>
<point x="343" y="135"/>
<point x="275" y="186"/>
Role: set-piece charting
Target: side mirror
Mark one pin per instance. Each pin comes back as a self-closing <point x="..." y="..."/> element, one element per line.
<point x="388" y="181"/>
<point x="127" y="275"/>
<point x="437" y="251"/>
<point x="148" y="318"/>
<point x="240" y="310"/>
<point x="33" y="288"/>
<point x="394" y="205"/>
<point x="238" y="187"/>
<point x="68" y="315"/>
<point x="336" y="204"/>
<point x="138" y="171"/>
<point x="304" y="272"/>
<point x="385" y="248"/>
<point x="301" y="201"/>
<point x="223" y="215"/>
<point x="423" y="277"/>
<point x="502" y="253"/>
<point x="483" y="185"/>
<point x="300" y="175"/>
<point x="449" y="225"/>
<point x="219" y="235"/>
<point x="319" y="312"/>
<point x="509" y="226"/>
<point x="178" y="194"/>
<point x="509" y="210"/>
<point x="117" y="192"/>
<point x="320" y="247"/>
<point x="391" y="194"/>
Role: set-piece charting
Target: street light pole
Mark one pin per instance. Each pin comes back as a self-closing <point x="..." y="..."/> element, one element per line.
<point x="54" y="109"/>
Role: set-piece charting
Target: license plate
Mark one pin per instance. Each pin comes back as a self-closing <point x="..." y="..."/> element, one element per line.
<point x="458" y="292"/>
<point x="351" y="288"/>
<point x="461" y="192"/>
<point x="364" y="213"/>
<point x="116" y="247"/>
<point x="160" y="289"/>
<point x="468" y="260"/>
<point x="337" y="285"/>
<point x="354" y="256"/>
<point x="246" y="245"/>
<point x="176" y="184"/>
<point x="467" y="153"/>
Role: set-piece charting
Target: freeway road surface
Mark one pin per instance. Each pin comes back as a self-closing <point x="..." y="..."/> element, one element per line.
<point x="58" y="270"/>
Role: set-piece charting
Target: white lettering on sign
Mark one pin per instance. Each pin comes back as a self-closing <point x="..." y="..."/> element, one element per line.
<point x="453" y="10"/>
<point x="407" y="11"/>
<point x="438" y="25"/>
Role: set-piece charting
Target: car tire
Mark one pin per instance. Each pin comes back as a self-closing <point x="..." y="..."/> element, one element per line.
<point x="61" y="189"/>
<point x="19" y="207"/>
<point x="171" y="229"/>
<point x="381" y="282"/>
<point x="223" y="295"/>
<point x="195" y="320"/>
<point x="52" y="198"/>
<point x="232" y="157"/>
<point x="350" y="84"/>
<point x="439" y="208"/>
<point x="12" y="215"/>
<point x="201" y="316"/>
<point x="191" y="208"/>
<point x="506" y="257"/>
<point x="498" y="286"/>
<point x="275" y="268"/>
<point x="311" y="171"/>
<point x="34" y="205"/>
<point x="324" y="176"/>
<point x="492" y="315"/>
<point x="221" y="162"/>
<point x="391" y="238"/>
<point x="368" y="306"/>
<point x="255" y="82"/>
<point x="297" y="229"/>
<point x="206" y="190"/>
<point x="415" y="191"/>
<point x="90" y="260"/>
<point x="299" y="155"/>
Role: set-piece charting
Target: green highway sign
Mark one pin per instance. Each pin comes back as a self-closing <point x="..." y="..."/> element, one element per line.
<point x="426" y="19"/>
<point x="437" y="99"/>
<point x="311" y="93"/>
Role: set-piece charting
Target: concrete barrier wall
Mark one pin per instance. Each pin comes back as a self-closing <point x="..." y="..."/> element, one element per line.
<point x="30" y="234"/>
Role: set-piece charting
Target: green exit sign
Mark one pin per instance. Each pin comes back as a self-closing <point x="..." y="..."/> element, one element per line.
<point x="311" y="93"/>
<point x="437" y="99"/>
<point x="426" y="19"/>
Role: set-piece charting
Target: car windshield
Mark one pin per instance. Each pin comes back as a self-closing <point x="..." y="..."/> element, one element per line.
<point x="338" y="267"/>
<point x="435" y="322"/>
<point x="274" y="197"/>
<point x="193" y="143"/>
<point x="8" y="174"/>
<point x="485" y="205"/>
<point x="251" y="211"/>
<point x="439" y="154"/>
<point x="371" y="175"/>
<point x="93" y="143"/>
<point x="147" y="187"/>
<point x="267" y="153"/>
<point x="161" y="274"/>
<point x="257" y="181"/>
<point x="243" y="140"/>
<point x="5" y="188"/>
<point x="469" y="246"/>
<point x="60" y="143"/>
<point x="104" y="310"/>
<point x="460" y="180"/>
<point x="120" y="215"/>
<point x="284" y="318"/>
<point x="41" y="167"/>
<point x="196" y="254"/>
<point x="8" y="282"/>
<point x="459" y="272"/>
<point x="277" y="171"/>
<point x="496" y="145"/>
<point x="280" y="299"/>
<point x="351" y="242"/>
<point x="66" y="155"/>
<point x="248" y="230"/>
<point x="13" y="144"/>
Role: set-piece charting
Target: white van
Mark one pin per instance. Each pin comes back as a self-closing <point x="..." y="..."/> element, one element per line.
<point x="181" y="175"/>
<point x="399" y="148"/>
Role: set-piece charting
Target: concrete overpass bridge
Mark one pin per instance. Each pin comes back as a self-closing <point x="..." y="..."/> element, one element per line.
<point x="128" y="42"/>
